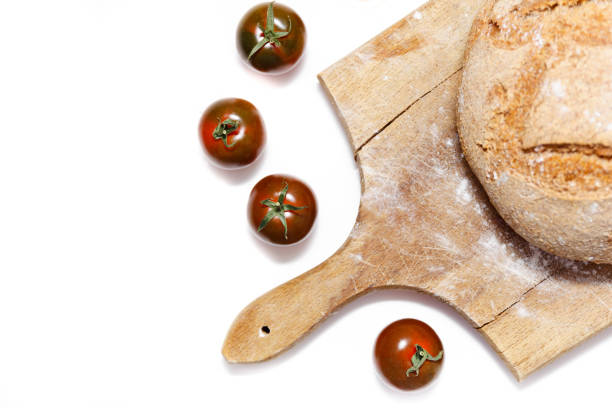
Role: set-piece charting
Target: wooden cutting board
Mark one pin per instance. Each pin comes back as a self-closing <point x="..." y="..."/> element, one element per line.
<point x="424" y="221"/>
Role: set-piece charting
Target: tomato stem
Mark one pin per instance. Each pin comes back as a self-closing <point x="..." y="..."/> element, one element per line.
<point x="278" y="209"/>
<point x="270" y="36"/>
<point x="419" y="358"/>
<point x="224" y="129"/>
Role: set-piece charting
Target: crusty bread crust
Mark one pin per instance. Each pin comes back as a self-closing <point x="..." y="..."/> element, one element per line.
<point x="535" y="120"/>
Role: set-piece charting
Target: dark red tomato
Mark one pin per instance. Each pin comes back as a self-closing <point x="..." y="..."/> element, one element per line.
<point x="271" y="38"/>
<point x="282" y="209"/>
<point x="232" y="133"/>
<point x="408" y="354"/>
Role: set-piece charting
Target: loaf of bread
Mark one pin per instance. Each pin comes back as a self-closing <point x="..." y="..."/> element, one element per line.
<point x="535" y="120"/>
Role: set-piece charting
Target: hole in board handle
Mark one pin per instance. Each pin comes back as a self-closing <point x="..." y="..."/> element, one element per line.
<point x="264" y="331"/>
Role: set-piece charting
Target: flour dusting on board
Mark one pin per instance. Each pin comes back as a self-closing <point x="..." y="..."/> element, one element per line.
<point x="502" y="254"/>
<point x="522" y="311"/>
<point x="464" y="195"/>
<point x="358" y="258"/>
<point x="440" y="223"/>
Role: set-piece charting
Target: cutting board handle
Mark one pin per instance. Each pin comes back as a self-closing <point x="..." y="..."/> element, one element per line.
<point x="275" y="321"/>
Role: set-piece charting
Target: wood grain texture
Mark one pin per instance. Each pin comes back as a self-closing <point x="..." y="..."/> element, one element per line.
<point x="425" y="223"/>
<point x="405" y="62"/>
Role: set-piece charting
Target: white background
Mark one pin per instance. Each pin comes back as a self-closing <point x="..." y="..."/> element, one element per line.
<point x="125" y="256"/>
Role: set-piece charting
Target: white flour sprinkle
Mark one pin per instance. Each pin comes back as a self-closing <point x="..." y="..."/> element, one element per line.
<point x="435" y="132"/>
<point x="464" y="195"/>
<point x="359" y="259"/>
<point x="417" y="15"/>
<point x="530" y="269"/>
<point x="537" y="39"/>
<point x="522" y="311"/>
<point x="557" y="89"/>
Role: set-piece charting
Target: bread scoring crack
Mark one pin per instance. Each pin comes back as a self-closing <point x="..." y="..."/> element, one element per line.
<point x="530" y="8"/>
<point x="599" y="150"/>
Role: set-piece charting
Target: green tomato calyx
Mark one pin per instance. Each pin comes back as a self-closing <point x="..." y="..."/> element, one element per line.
<point x="270" y="36"/>
<point x="419" y="358"/>
<point x="224" y="129"/>
<point x="278" y="209"/>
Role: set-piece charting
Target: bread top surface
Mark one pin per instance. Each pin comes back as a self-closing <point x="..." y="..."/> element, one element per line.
<point x="537" y="95"/>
